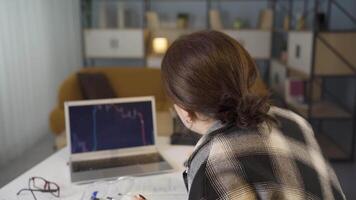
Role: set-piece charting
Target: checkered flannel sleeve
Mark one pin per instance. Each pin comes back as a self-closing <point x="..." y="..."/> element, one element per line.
<point x="285" y="163"/>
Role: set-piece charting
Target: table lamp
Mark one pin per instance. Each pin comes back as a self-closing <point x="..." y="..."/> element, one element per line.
<point x="160" y="45"/>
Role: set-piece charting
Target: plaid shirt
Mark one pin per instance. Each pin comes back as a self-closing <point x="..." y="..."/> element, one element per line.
<point x="284" y="163"/>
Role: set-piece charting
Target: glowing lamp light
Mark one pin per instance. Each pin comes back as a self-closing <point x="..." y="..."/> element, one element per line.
<point x="160" y="45"/>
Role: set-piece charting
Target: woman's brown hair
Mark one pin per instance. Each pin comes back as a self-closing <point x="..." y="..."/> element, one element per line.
<point x="210" y="73"/>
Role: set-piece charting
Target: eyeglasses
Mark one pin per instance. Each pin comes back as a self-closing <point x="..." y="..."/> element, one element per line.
<point x="39" y="184"/>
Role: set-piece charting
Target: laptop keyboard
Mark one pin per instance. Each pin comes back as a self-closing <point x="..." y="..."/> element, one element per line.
<point x="116" y="162"/>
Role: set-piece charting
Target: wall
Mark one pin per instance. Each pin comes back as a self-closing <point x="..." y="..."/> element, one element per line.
<point x="40" y="45"/>
<point x="338" y="19"/>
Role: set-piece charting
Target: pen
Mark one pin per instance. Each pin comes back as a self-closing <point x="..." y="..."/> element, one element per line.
<point x="93" y="197"/>
<point x="106" y="198"/>
<point x="95" y="193"/>
<point x="130" y="195"/>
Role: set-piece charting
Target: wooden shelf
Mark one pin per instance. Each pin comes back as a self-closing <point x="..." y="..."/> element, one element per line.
<point x="330" y="150"/>
<point x="320" y="110"/>
<point x="292" y="72"/>
<point x="189" y="29"/>
<point x="246" y="29"/>
<point x="113" y="29"/>
<point x="280" y="30"/>
<point x="170" y="33"/>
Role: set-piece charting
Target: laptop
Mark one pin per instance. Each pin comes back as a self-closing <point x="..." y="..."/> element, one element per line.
<point x="110" y="138"/>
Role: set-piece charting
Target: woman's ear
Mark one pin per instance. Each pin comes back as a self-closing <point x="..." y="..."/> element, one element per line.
<point x="183" y="115"/>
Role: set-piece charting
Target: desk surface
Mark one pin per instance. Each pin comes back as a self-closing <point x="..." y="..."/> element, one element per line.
<point x="55" y="169"/>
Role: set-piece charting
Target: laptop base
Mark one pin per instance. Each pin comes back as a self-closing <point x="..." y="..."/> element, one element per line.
<point x="113" y="173"/>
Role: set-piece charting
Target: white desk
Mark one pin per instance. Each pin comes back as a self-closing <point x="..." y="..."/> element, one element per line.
<point x="55" y="169"/>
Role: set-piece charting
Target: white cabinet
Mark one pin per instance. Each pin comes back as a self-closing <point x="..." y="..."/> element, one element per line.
<point x="277" y="77"/>
<point x="114" y="43"/>
<point x="256" y="42"/>
<point x="300" y="49"/>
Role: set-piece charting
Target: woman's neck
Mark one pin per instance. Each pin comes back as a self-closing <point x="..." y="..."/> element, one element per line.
<point x="202" y="127"/>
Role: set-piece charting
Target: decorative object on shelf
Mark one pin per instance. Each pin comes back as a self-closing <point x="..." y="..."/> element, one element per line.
<point x="182" y="20"/>
<point x="300" y="22"/>
<point x="215" y="20"/>
<point x="321" y="21"/>
<point x="284" y="56"/>
<point x="284" y="53"/>
<point x="277" y="77"/>
<point x="152" y="20"/>
<point x="160" y="45"/>
<point x="266" y="19"/>
<point x="239" y="23"/>
<point x="295" y="90"/>
<point x="286" y="23"/>
<point x="102" y="21"/>
<point x="120" y="14"/>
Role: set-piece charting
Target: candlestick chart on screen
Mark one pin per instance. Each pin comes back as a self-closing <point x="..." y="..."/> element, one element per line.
<point x="110" y="126"/>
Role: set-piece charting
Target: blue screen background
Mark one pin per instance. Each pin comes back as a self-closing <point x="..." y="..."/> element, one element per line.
<point x="110" y="126"/>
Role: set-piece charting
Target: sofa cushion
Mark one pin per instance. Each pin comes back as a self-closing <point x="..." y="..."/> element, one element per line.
<point x="95" y="86"/>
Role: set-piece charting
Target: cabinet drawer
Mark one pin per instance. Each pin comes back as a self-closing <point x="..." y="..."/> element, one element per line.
<point x="101" y="43"/>
<point x="300" y="50"/>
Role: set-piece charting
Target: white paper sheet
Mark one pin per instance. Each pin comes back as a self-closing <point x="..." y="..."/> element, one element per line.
<point x="164" y="186"/>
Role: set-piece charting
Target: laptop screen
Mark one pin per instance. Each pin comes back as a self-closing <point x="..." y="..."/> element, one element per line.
<point x="110" y="126"/>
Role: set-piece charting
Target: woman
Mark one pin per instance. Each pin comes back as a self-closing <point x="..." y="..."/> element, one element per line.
<point x="249" y="150"/>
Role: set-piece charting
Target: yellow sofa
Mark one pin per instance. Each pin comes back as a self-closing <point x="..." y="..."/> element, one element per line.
<point x="126" y="82"/>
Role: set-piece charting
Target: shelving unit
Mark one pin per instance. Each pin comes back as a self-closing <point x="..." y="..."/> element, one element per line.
<point x="321" y="110"/>
<point x="198" y="12"/>
<point x="313" y="56"/>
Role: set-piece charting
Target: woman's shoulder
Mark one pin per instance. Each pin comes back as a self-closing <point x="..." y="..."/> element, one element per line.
<point x="290" y="132"/>
<point x="227" y="168"/>
<point x="238" y="141"/>
<point x="284" y="156"/>
<point x="293" y="128"/>
<point x="284" y="116"/>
